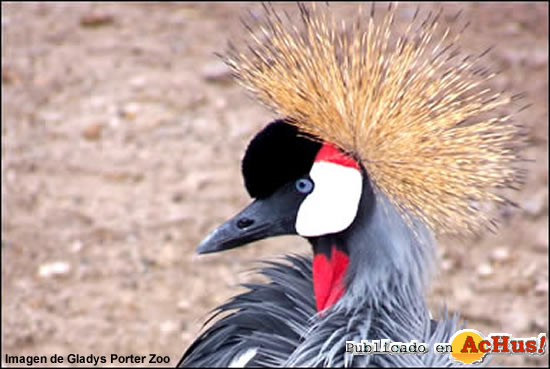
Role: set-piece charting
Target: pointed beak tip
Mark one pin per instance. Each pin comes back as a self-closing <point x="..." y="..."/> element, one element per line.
<point x="209" y="244"/>
<point x="196" y="256"/>
<point x="205" y="248"/>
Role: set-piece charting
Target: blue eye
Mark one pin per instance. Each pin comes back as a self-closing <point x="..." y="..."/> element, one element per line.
<point x="304" y="185"/>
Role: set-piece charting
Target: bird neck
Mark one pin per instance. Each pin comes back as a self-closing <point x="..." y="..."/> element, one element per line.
<point x="381" y="259"/>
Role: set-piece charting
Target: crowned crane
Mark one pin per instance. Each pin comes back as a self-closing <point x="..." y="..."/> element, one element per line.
<point x="386" y="140"/>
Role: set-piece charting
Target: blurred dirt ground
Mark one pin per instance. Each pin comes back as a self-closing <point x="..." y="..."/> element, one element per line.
<point x="122" y="136"/>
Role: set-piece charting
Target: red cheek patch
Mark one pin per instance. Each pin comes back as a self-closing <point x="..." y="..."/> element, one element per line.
<point x="328" y="277"/>
<point x="330" y="153"/>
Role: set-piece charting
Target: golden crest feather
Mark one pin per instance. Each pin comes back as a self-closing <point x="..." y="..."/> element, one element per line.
<point x="420" y="115"/>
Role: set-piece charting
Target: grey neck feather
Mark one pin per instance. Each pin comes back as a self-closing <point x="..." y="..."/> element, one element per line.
<point x="388" y="255"/>
<point x="390" y="262"/>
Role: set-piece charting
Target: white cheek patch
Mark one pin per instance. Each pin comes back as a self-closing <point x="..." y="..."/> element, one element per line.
<point x="332" y="206"/>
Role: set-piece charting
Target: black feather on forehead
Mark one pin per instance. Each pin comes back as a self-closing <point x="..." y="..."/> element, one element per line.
<point x="276" y="155"/>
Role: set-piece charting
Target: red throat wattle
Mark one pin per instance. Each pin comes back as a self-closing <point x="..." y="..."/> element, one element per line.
<point x="328" y="277"/>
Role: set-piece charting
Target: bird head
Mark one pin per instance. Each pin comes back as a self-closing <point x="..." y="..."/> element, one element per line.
<point x="300" y="186"/>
